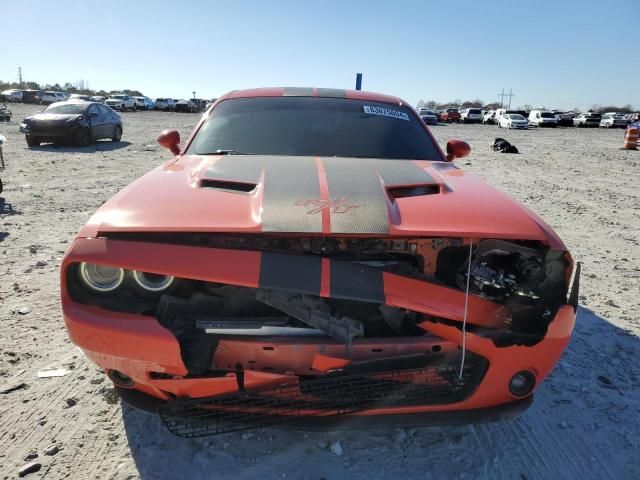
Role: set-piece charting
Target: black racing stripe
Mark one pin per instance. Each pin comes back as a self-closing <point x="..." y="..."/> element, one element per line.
<point x="290" y="183"/>
<point x="331" y="92"/>
<point x="354" y="183"/>
<point x="402" y="172"/>
<point x="297" y="92"/>
<point x="353" y="281"/>
<point x="294" y="273"/>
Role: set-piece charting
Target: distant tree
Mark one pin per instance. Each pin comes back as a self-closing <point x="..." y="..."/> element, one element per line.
<point x="526" y="107"/>
<point x="492" y="106"/>
<point x="613" y="108"/>
<point x="576" y="109"/>
<point x="477" y="103"/>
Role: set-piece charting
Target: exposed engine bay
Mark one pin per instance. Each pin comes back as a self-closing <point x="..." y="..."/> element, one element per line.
<point x="528" y="279"/>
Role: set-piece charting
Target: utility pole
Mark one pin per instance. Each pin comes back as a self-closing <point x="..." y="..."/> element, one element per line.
<point x="20" y="76"/>
<point x="502" y="95"/>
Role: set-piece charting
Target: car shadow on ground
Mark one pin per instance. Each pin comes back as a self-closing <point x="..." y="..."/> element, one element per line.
<point x="99" y="146"/>
<point x="576" y="428"/>
<point x="7" y="208"/>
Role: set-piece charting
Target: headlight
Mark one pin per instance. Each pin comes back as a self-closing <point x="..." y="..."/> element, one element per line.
<point x="152" y="282"/>
<point x="101" y="278"/>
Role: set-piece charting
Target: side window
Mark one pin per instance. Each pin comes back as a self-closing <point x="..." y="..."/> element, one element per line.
<point x="93" y="109"/>
<point x="103" y="110"/>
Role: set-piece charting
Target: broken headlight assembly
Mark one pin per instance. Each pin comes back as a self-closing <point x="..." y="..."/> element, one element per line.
<point x="118" y="289"/>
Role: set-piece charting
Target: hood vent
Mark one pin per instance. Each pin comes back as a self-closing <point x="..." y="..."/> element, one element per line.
<point x="412" y="191"/>
<point x="238" y="187"/>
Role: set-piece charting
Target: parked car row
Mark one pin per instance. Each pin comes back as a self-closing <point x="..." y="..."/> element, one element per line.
<point x="117" y="101"/>
<point x="506" y="118"/>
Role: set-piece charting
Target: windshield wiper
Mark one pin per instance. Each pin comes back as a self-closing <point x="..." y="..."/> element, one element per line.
<point x="224" y="151"/>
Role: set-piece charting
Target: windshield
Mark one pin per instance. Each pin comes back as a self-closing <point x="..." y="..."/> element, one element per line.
<point x="119" y="97"/>
<point x="67" y="108"/>
<point x="475" y="111"/>
<point x="428" y="112"/>
<point x="547" y="115"/>
<point x="305" y="126"/>
<point x="516" y="116"/>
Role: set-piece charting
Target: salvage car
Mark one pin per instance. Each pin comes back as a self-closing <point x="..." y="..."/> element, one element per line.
<point x="513" y="120"/>
<point x="121" y="102"/>
<point x="543" y="118"/>
<point x="76" y="122"/>
<point x="144" y="103"/>
<point x="189" y="106"/>
<point x="613" y="120"/>
<point x="53" y="97"/>
<point x="312" y="257"/>
<point x="589" y="119"/>
<point x="429" y="117"/>
<point x="489" y="117"/>
<point x="450" y="115"/>
<point x="471" y="115"/>
<point x="165" y="104"/>
<point x="11" y="95"/>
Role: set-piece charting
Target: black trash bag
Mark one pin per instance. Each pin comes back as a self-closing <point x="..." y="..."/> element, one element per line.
<point x="501" y="145"/>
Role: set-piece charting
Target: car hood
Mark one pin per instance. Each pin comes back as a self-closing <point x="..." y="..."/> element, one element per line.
<point x="52" y="118"/>
<point x="316" y="196"/>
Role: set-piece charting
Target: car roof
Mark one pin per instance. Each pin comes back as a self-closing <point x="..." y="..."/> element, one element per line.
<point x="312" y="92"/>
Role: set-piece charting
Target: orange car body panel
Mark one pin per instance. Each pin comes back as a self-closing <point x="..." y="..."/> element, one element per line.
<point x="139" y="346"/>
<point x="168" y="199"/>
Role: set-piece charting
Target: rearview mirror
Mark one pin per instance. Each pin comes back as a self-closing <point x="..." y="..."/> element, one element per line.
<point x="170" y="139"/>
<point x="457" y="149"/>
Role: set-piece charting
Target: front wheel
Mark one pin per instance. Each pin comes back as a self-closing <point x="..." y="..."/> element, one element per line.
<point x="135" y="108"/>
<point x="82" y="137"/>
<point x="32" y="141"/>
<point x="117" y="134"/>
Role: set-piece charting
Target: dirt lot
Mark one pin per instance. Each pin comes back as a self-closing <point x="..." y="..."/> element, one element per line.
<point x="585" y="422"/>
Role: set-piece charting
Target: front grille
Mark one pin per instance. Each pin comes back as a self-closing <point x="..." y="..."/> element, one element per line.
<point x="329" y="396"/>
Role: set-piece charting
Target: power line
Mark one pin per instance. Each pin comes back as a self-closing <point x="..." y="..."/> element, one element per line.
<point x="502" y="95"/>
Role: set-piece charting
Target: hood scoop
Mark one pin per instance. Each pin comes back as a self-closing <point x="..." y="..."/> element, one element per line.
<point x="228" y="186"/>
<point x="412" y="191"/>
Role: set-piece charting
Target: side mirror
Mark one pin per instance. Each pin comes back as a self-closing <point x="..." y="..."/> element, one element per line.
<point x="170" y="139"/>
<point x="93" y="114"/>
<point x="457" y="149"/>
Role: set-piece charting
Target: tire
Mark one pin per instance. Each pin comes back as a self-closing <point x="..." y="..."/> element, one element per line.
<point x="0" y="185"/>
<point x="82" y="137"/>
<point x="117" y="134"/>
<point x="32" y="141"/>
<point x="135" y="107"/>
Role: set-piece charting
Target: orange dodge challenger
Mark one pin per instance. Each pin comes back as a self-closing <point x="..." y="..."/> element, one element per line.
<point x="311" y="257"/>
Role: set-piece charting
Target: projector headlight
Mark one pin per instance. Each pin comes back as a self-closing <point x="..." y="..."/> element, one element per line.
<point x="101" y="278"/>
<point x="152" y="282"/>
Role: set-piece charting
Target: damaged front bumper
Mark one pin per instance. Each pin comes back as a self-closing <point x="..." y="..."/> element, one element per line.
<point x="208" y="383"/>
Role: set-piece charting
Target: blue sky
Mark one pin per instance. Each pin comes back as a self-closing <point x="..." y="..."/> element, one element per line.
<point x="555" y="53"/>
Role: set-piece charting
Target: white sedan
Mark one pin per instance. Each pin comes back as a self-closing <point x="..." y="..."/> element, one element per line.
<point x="513" y="120"/>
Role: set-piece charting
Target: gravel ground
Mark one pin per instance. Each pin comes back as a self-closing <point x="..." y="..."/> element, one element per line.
<point x="585" y="422"/>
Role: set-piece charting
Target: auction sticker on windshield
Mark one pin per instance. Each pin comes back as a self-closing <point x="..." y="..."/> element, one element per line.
<point x="387" y="112"/>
